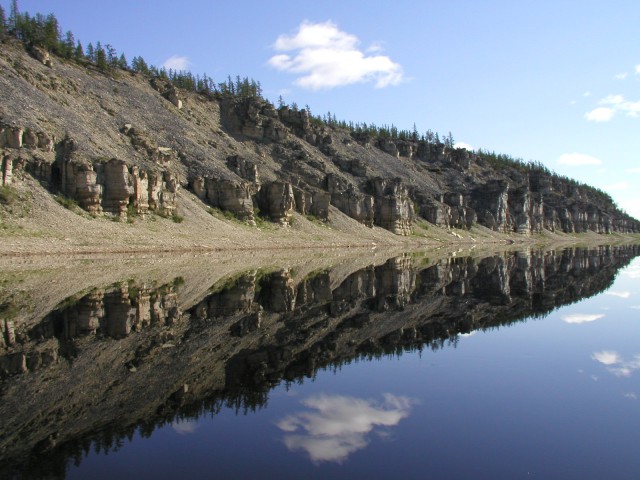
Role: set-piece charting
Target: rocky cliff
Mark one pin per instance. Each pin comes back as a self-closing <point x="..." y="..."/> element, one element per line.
<point x="74" y="376"/>
<point x="122" y="144"/>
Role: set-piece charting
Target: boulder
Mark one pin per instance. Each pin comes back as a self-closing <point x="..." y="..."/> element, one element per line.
<point x="41" y="55"/>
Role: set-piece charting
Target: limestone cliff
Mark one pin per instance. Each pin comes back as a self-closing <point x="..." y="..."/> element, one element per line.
<point x="119" y="143"/>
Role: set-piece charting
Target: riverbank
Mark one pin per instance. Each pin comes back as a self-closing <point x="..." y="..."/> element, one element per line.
<point x="36" y="224"/>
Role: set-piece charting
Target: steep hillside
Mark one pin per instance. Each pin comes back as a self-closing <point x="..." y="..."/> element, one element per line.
<point x="123" y="145"/>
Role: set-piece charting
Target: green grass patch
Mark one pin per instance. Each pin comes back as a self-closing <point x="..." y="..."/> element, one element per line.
<point x="66" y="202"/>
<point x="8" y="195"/>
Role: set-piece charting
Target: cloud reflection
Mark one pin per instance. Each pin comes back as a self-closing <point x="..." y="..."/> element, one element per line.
<point x="184" y="427"/>
<point x="617" y="365"/>
<point x="607" y="357"/>
<point x="619" y="294"/>
<point x="576" y="318"/>
<point x="633" y="271"/>
<point x="335" y="426"/>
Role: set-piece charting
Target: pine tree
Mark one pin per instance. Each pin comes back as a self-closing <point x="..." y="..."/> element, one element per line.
<point x="140" y="66"/>
<point x="122" y="62"/>
<point x="449" y="141"/>
<point x="14" y="17"/>
<point x="51" y="33"/>
<point x="78" y="53"/>
<point x="112" y="56"/>
<point x="3" y="23"/>
<point x="68" y="45"/>
<point x="91" y="54"/>
<point x="101" y="58"/>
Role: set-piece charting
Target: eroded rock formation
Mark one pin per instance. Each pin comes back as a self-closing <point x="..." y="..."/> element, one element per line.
<point x="237" y="151"/>
<point x="393" y="206"/>
<point x="228" y="195"/>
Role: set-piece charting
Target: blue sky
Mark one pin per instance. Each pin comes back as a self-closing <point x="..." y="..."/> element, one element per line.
<point x="552" y="81"/>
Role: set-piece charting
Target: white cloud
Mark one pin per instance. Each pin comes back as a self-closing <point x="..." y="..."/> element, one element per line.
<point x="634" y="170"/>
<point x="615" y="103"/>
<point x="638" y="69"/>
<point x="375" y="47"/>
<point x="600" y="114"/>
<point x="463" y="145"/>
<point x="325" y="57"/>
<point x="619" y="294"/>
<point x="177" y="62"/>
<point x="631" y="396"/>
<point x="607" y="357"/>
<point x="632" y="207"/>
<point x="586" y="94"/>
<point x="578" y="159"/>
<point x="577" y="318"/>
<point x="612" y="100"/>
<point x="632" y="109"/>
<point x="336" y="426"/>
<point x="616" y="187"/>
<point x="621" y="76"/>
<point x="635" y="307"/>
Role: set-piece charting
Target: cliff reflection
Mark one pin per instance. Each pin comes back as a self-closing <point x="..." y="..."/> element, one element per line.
<point x="130" y="357"/>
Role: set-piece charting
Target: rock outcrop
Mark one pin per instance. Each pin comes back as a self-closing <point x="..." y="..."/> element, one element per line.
<point x="315" y="202"/>
<point x="237" y="151"/>
<point x="276" y="199"/>
<point x="228" y="195"/>
<point x="393" y="206"/>
<point x="348" y="200"/>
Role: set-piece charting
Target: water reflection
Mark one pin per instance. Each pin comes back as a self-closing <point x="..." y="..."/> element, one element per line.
<point x="336" y="426"/>
<point x="616" y="364"/>
<point x="126" y="358"/>
<point x="577" y="318"/>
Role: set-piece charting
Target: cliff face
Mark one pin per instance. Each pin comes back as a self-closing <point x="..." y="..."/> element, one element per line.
<point x="75" y="375"/>
<point x="122" y="144"/>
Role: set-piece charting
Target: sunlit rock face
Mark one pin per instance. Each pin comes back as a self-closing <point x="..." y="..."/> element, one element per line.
<point x="522" y="203"/>
<point x="393" y="206"/>
<point x="228" y="195"/>
<point x="124" y="148"/>
<point x="348" y="200"/>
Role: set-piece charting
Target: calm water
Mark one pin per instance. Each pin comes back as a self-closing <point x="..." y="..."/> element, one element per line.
<point x="520" y="365"/>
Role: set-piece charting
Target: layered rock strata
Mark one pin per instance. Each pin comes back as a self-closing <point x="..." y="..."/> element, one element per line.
<point x="289" y="159"/>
